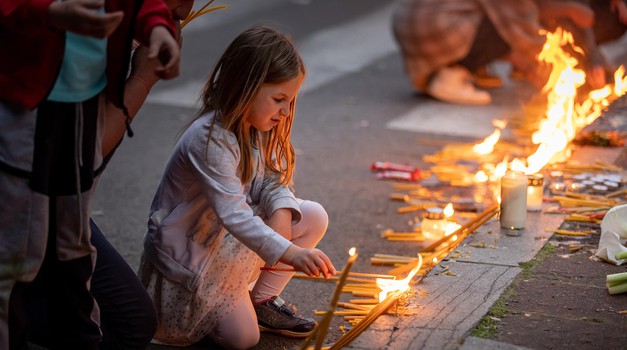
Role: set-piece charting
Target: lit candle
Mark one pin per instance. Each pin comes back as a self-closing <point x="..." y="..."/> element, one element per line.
<point x="577" y="187"/>
<point x="513" y="200"/>
<point x="535" y="189"/>
<point x="322" y="328"/>
<point x="433" y="223"/>
<point x="557" y="187"/>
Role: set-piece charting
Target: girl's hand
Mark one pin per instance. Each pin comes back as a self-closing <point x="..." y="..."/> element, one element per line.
<point x="312" y="262"/>
<point x="82" y="17"/>
<point x="166" y="49"/>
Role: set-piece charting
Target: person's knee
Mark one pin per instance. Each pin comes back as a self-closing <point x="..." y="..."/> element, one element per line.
<point x="247" y="342"/>
<point x="240" y="340"/>
<point x="316" y="216"/>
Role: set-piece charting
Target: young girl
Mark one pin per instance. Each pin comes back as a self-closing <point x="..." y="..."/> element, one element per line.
<point x="224" y="205"/>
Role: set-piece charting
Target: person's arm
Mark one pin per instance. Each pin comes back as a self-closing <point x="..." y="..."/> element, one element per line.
<point x="578" y="18"/>
<point x="214" y="164"/>
<point x="579" y="13"/>
<point x="620" y="8"/>
<point x="138" y="85"/>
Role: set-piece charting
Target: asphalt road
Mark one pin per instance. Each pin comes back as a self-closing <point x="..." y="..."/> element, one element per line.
<point x="356" y="107"/>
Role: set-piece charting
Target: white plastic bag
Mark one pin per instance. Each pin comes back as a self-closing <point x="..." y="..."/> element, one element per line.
<point x="613" y="230"/>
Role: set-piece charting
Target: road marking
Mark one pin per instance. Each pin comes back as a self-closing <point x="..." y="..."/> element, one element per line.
<point x="439" y="118"/>
<point x="328" y="54"/>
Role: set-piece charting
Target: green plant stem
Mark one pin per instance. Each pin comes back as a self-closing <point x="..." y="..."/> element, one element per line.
<point x="621" y="255"/>
<point x="616" y="277"/>
<point x="617" y="289"/>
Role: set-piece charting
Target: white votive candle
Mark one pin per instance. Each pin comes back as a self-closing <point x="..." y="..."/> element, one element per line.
<point x="535" y="189"/>
<point x="513" y="200"/>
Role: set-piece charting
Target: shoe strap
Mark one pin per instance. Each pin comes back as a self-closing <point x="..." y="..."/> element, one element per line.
<point x="278" y="302"/>
<point x="287" y="309"/>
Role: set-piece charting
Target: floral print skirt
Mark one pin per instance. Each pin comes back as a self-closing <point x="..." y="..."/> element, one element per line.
<point x="184" y="316"/>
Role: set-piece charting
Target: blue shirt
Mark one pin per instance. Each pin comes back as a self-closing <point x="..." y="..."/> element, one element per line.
<point x="83" y="70"/>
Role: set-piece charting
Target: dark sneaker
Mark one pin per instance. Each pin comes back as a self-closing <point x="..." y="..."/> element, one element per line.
<point x="274" y="316"/>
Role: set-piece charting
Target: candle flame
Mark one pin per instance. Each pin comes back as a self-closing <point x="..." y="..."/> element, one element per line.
<point x="481" y="176"/>
<point x="352" y="251"/>
<point x="448" y="210"/>
<point x="499" y="123"/>
<point x="388" y="285"/>
<point x="487" y="146"/>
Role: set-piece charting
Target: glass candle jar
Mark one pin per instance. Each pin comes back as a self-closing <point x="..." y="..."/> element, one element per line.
<point x="535" y="190"/>
<point x="513" y="200"/>
<point x="433" y="223"/>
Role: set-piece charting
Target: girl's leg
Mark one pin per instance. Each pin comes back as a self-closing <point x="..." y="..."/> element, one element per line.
<point x="307" y="233"/>
<point x="239" y="329"/>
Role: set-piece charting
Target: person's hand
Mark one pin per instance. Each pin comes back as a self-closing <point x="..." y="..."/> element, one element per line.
<point x="143" y="67"/>
<point x="596" y="77"/>
<point x="82" y="17"/>
<point x="165" y="49"/>
<point x="582" y="15"/>
<point x="620" y="8"/>
<point x="528" y="68"/>
<point x="312" y="262"/>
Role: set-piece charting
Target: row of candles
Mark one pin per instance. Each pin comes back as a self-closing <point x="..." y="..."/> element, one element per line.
<point x="519" y="193"/>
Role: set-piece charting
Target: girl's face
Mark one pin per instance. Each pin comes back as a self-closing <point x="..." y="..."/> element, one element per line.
<point x="272" y="103"/>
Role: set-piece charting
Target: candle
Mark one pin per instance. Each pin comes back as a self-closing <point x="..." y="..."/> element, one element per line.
<point x="513" y="200"/>
<point x="433" y="225"/>
<point x="577" y="187"/>
<point x="535" y="189"/>
<point x="321" y="330"/>
<point x="558" y="187"/>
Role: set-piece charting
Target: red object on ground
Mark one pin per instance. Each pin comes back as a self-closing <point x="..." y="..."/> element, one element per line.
<point x="384" y="166"/>
<point x="399" y="175"/>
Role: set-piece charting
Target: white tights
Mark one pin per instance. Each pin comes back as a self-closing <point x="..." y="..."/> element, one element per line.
<point x="239" y="329"/>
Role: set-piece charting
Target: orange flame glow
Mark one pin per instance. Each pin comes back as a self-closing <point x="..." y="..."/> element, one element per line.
<point x="487" y="146"/>
<point x="564" y="115"/>
<point x="387" y="285"/>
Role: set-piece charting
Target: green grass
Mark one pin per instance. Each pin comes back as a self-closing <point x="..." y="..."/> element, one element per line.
<point x="487" y="327"/>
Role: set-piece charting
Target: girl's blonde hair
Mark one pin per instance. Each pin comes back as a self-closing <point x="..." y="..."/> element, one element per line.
<point x="259" y="55"/>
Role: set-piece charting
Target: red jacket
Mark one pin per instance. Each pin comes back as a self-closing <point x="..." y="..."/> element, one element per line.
<point x="32" y="50"/>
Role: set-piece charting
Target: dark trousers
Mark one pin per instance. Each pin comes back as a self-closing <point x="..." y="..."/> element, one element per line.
<point x="127" y="316"/>
<point x="62" y="170"/>
<point x="487" y="46"/>
<point x="62" y="302"/>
